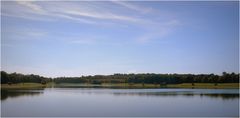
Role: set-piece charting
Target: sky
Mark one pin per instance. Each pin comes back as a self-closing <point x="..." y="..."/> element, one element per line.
<point x="75" y="38"/>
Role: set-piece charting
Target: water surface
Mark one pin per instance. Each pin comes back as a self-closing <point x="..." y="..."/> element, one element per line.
<point x="70" y="102"/>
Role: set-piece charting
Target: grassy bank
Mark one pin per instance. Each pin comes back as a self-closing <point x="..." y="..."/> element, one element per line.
<point x="25" y="86"/>
<point x="206" y="85"/>
<point x="121" y="85"/>
<point x="183" y="85"/>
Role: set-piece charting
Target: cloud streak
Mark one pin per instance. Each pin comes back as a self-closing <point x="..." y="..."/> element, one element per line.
<point x="133" y="7"/>
<point x="81" y="12"/>
<point x="94" y="13"/>
<point x="32" y="6"/>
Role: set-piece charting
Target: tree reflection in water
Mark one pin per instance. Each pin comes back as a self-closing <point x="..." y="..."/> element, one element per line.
<point x="222" y="96"/>
<point x="17" y="93"/>
<point x="225" y="96"/>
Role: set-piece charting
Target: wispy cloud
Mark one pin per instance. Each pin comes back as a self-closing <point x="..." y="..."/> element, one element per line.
<point x="49" y="10"/>
<point x="84" y="41"/>
<point x="23" y="34"/>
<point x="95" y="13"/>
<point x="158" y="32"/>
<point x="89" y="40"/>
<point x="26" y="10"/>
<point x="133" y="7"/>
<point x="32" y="6"/>
<point x="100" y="16"/>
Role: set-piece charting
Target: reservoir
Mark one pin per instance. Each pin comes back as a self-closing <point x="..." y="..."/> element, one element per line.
<point x="107" y="102"/>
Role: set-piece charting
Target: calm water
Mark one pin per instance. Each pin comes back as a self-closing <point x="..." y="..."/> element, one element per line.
<point x="120" y="102"/>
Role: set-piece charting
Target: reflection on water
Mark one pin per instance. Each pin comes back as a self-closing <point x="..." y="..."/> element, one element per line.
<point x="5" y="94"/>
<point x="92" y="102"/>
<point x="222" y="96"/>
<point x="214" y="93"/>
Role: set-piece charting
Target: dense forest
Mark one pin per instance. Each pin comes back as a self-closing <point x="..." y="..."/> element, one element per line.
<point x="21" y="78"/>
<point x="124" y="78"/>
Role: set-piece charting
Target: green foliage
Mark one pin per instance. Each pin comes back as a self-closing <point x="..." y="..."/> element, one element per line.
<point x="149" y="78"/>
<point x="20" y="78"/>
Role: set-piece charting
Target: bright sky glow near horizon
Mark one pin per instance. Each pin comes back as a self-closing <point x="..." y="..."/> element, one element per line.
<point x="89" y="38"/>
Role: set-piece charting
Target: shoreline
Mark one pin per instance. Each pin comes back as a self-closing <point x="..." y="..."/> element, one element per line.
<point x="121" y="85"/>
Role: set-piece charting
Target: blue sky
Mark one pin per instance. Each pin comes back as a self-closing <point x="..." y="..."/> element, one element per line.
<point x="88" y="38"/>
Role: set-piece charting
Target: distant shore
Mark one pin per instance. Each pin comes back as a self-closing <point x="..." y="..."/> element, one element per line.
<point x="121" y="85"/>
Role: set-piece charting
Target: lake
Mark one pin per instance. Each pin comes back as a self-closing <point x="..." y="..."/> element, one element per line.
<point x="90" y="102"/>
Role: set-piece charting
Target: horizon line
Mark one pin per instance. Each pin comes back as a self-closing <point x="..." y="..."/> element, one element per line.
<point x="123" y="74"/>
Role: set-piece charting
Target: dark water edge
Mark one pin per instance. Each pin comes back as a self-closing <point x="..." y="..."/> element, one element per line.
<point x="5" y="94"/>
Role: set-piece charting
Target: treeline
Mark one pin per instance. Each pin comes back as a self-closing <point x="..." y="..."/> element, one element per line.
<point x="125" y="78"/>
<point x="153" y="78"/>
<point x="21" y="78"/>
